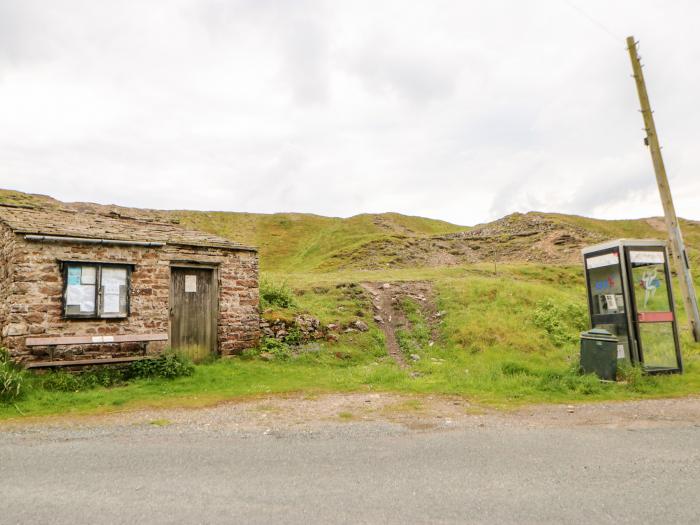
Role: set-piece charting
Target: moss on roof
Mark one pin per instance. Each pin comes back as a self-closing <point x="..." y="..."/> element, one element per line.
<point x="104" y="222"/>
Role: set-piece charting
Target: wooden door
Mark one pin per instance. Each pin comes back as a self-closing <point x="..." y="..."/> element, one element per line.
<point x="193" y="311"/>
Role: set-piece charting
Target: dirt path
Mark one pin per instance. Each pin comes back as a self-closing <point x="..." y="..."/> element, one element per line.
<point x="303" y="413"/>
<point x="386" y="298"/>
<point x="387" y="317"/>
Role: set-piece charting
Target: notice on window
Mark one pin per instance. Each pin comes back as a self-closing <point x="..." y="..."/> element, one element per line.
<point x="607" y="259"/>
<point x="110" y="304"/>
<point x="113" y="278"/>
<point x="74" y="295"/>
<point x="81" y="296"/>
<point x="113" y="288"/>
<point x="647" y="257"/>
<point x="190" y="283"/>
<point x="73" y="275"/>
<point x="88" y="274"/>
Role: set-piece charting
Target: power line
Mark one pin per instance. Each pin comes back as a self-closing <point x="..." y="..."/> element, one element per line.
<point x="594" y="21"/>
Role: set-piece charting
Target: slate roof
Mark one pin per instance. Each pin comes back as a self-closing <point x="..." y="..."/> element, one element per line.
<point x="102" y="222"/>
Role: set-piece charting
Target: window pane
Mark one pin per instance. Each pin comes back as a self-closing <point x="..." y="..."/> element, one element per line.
<point x="88" y="275"/>
<point x="113" y="291"/>
<point x="80" y="297"/>
<point x="658" y="345"/>
<point x="606" y="290"/>
<point x="649" y="281"/>
<point x="618" y="329"/>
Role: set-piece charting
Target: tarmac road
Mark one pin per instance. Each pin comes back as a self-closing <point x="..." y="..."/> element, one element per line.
<point x="357" y="472"/>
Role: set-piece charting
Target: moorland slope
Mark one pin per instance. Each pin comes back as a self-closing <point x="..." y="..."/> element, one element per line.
<point x="297" y="242"/>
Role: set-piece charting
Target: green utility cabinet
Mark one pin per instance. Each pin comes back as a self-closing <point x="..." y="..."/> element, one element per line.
<point x="599" y="353"/>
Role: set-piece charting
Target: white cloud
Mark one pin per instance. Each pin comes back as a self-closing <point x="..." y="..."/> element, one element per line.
<point x="463" y="111"/>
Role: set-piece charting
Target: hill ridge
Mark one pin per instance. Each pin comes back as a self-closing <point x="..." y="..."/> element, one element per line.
<point x="310" y="242"/>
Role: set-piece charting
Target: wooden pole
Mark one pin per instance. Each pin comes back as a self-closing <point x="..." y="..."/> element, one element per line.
<point x="678" y="252"/>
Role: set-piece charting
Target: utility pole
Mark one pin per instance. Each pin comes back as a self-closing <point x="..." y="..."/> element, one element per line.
<point x="679" y="255"/>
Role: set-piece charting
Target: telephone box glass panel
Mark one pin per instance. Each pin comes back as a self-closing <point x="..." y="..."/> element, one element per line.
<point x="604" y="273"/>
<point x="658" y="345"/>
<point x="649" y="280"/>
<point x="653" y="307"/>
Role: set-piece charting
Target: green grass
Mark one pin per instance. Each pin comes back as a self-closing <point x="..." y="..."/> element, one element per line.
<point x="303" y="242"/>
<point x="222" y="380"/>
<point x="414" y="338"/>
<point x="491" y="350"/>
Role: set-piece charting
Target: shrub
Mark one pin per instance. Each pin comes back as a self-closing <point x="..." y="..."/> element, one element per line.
<point x="168" y="366"/>
<point x="11" y="378"/>
<point x="294" y="336"/>
<point x="636" y="379"/>
<point x="105" y="376"/>
<point x="275" y="294"/>
<point x="562" y="322"/>
<point x="279" y="349"/>
<point x="589" y="384"/>
<point x="85" y="380"/>
<point x="250" y="353"/>
<point x="60" y="381"/>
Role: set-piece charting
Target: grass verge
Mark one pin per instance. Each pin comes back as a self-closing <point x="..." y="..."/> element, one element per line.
<point x="505" y="340"/>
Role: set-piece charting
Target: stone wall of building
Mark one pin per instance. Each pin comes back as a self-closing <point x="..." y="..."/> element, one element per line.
<point x="33" y="296"/>
<point x="7" y="250"/>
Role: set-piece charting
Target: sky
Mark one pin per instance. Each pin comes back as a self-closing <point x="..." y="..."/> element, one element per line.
<point x="457" y="110"/>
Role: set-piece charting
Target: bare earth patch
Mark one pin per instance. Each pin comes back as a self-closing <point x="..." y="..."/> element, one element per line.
<point x="386" y="298"/>
<point x="409" y="412"/>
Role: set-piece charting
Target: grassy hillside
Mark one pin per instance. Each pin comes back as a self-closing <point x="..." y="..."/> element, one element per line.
<point x="511" y="296"/>
<point x="287" y="241"/>
<point x="296" y="242"/>
<point x="651" y="228"/>
<point x="309" y="243"/>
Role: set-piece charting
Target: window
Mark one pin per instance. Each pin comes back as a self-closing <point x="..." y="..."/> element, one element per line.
<point x="95" y="290"/>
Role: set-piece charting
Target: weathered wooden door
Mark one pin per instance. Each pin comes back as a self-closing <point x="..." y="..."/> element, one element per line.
<point x="193" y="310"/>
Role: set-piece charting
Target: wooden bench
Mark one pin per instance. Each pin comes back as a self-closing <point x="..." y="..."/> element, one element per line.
<point x="90" y="340"/>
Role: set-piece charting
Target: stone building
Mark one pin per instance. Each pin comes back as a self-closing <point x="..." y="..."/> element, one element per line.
<point x="99" y="283"/>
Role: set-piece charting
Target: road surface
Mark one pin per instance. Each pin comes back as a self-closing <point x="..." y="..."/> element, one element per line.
<point x="224" y="465"/>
